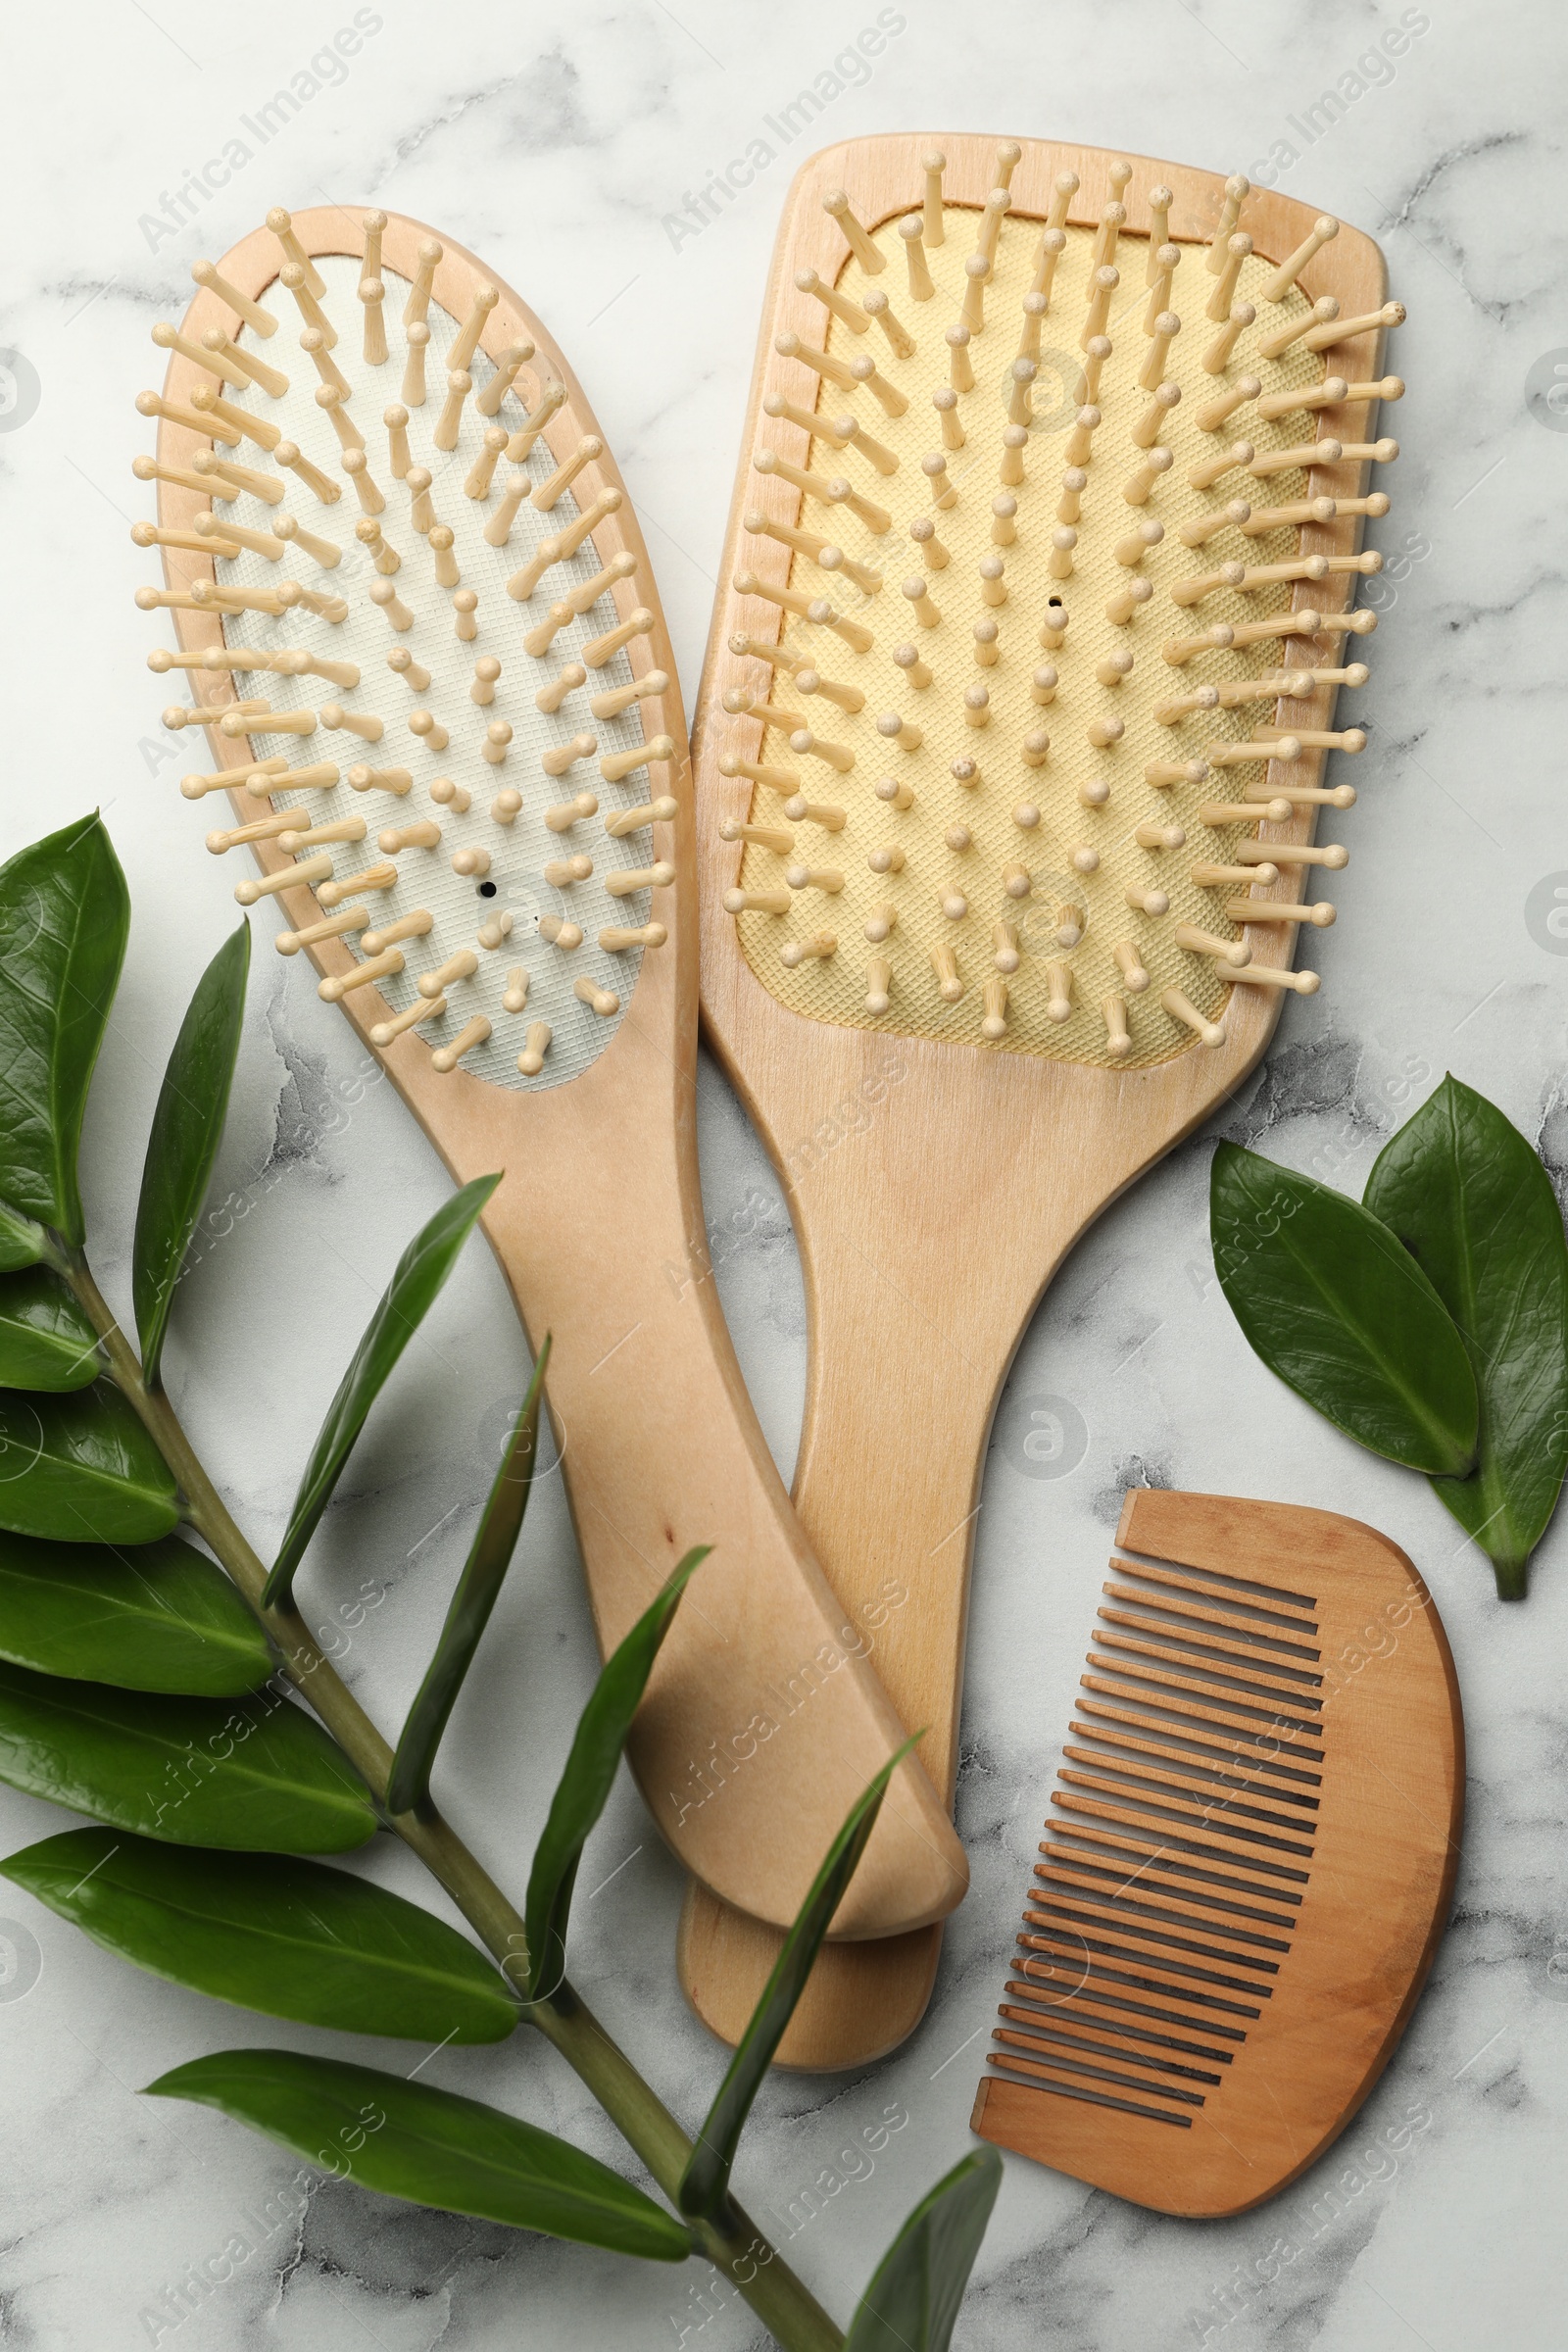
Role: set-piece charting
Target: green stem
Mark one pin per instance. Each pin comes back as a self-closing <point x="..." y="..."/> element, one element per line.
<point x="1513" y="1577"/>
<point x="738" y="2250"/>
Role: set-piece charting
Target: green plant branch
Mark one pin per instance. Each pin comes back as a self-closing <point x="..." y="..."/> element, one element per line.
<point x="734" y="2246"/>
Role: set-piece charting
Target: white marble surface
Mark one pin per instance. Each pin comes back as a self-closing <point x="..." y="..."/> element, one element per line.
<point x="555" y="142"/>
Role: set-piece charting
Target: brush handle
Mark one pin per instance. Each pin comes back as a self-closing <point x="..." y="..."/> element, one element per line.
<point x="887" y="1485"/>
<point x="922" y="1264"/>
<point x="887" y="1490"/>
<point x="765" y="1718"/>
<point x="925" y="1249"/>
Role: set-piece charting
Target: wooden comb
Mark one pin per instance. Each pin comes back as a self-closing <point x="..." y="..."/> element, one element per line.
<point x="1250" y="1864"/>
<point x="1026" y="892"/>
<point x="459" y="756"/>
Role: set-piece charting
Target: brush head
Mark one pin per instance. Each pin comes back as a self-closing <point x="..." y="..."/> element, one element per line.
<point x="397" y="549"/>
<point x="1092" y="494"/>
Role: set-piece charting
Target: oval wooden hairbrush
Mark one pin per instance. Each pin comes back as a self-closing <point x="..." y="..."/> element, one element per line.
<point x="416" y="616"/>
<point x="1037" y="600"/>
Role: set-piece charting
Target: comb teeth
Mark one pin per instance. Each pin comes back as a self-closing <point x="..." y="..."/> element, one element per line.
<point x="1174" y="1875"/>
<point x="466" y="529"/>
<point x="1055" y="427"/>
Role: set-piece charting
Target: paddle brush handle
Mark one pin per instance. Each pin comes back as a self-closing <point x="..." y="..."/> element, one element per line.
<point x="899" y="1407"/>
<point x="909" y="1352"/>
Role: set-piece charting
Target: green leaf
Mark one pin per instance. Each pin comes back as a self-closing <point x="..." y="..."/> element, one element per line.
<point x="586" y="1781"/>
<point x="253" y="1774"/>
<point x="155" y="1617"/>
<point x="46" y="1341"/>
<point x="704" y="2184"/>
<point x="22" y="1242"/>
<point x="412" y="2141"/>
<point x="483" y="1573"/>
<point x="1342" y="1313"/>
<point x="416" y="1283"/>
<point x="64" y="916"/>
<point x="187" y="1126"/>
<point x="269" y="1932"/>
<point x="1467" y="1194"/>
<point x="912" y="2303"/>
<point x="81" y="1468"/>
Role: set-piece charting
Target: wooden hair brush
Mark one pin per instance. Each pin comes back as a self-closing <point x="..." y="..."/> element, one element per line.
<point x="1250" y="1861"/>
<point x="1037" y="597"/>
<point x="443" y="708"/>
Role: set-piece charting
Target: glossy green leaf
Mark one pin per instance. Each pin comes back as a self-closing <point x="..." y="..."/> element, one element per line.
<point x="154" y="1617"/>
<point x="252" y="1774"/>
<point x="409" y="2139"/>
<point x="911" y="2304"/>
<point x="1338" y="1309"/>
<point x="81" y="1469"/>
<point x="586" y="1781"/>
<point x="416" y="1283"/>
<point x="64" y="916"/>
<point x="187" y="1127"/>
<point x="705" y="2183"/>
<point x="22" y="1241"/>
<point x="267" y="1932"/>
<point x="46" y="1341"/>
<point x="483" y="1574"/>
<point x="1468" y="1196"/>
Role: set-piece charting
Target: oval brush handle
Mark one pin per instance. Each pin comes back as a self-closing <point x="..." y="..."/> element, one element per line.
<point x="765" y="1718"/>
